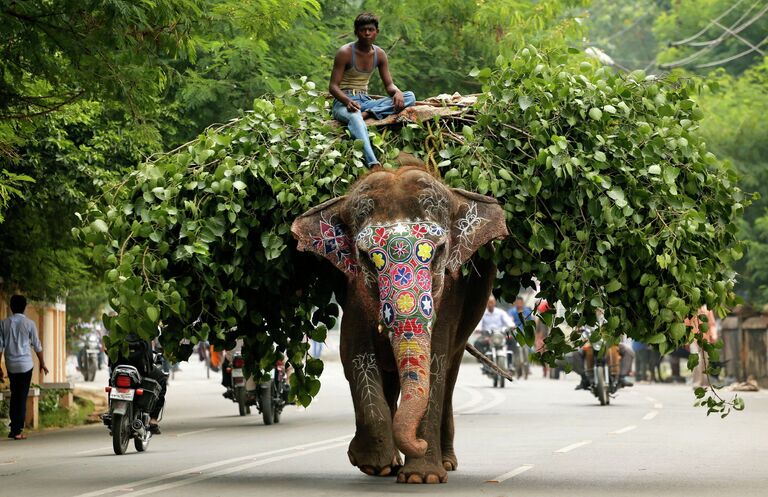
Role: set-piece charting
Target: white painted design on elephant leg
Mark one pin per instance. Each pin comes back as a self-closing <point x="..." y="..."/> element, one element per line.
<point x="437" y="379"/>
<point x="437" y="376"/>
<point x="368" y="385"/>
<point x="466" y="228"/>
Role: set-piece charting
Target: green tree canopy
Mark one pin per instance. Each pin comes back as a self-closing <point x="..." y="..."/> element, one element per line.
<point x="613" y="200"/>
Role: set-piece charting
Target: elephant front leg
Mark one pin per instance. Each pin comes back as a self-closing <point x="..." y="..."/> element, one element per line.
<point x="430" y="468"/>
<point x="373" y="448"/>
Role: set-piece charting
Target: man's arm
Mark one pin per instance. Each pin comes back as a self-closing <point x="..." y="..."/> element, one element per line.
<point x="41" y="359"/>
<point x="38" y="348"/>
<point x="508" y="321"/>
<point x="343" y="57"/>
<point x="389" y="85"/>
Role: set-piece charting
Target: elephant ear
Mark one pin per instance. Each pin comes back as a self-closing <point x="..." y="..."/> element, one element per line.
<point x="475" y="221"/>
<point x="322" y="230"/>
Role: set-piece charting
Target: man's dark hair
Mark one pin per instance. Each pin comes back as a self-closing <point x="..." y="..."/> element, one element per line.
<point x="18" y="304"/>
<point x="366" y="18"/>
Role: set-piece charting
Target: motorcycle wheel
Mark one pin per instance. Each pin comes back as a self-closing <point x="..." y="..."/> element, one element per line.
<point x="240" y="398"/>
<point x="502" y="363"/>
<point x="276" y="407"/>
<point x="602" y="388"/>
<point x="121" y="433"/>
<point x="142" y="444"/>
<point x="92" y="365"/>
<point x="267" y="409"/>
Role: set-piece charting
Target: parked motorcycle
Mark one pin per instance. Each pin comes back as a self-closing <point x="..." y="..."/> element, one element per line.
<point x="88" y="355"/>
<point x="269" y="397"/>
<point x="131" y="399"/>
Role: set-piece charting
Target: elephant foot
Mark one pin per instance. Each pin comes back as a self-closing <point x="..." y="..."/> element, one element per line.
<point x="422" y="472"/>
<point x="450" y="463"/>
<point x="374" y="462"/>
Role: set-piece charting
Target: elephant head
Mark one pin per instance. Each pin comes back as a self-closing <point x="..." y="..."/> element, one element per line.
<point x="400" y="236"/>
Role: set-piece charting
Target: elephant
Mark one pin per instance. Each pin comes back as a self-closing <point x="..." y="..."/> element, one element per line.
<point x="400" y="237"/>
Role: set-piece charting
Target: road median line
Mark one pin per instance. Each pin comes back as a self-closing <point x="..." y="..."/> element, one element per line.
<point x="623" y="430"/>
<point x="222" y="472"/>
<point x="198" y="469"/>
<point x="511" y="474"/>
<point x="569" y="448"/>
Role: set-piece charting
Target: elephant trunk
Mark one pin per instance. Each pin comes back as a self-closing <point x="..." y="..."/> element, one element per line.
<point x="411" y="344"/>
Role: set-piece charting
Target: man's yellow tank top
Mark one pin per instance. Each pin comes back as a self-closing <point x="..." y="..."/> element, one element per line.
<point x="353" y="78"/>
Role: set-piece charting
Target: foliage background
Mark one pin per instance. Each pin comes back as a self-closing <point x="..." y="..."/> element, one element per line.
<point x="74" y="119"/>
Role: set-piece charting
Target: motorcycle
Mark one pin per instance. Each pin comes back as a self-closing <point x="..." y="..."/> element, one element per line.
<point x="269" y="397"/>
<point x="604" y="381"/>
<point x="131" y="399"/>
<point x="494" y="345"/>
<point x="517" y="357"/>
<point x="88" y="355"/>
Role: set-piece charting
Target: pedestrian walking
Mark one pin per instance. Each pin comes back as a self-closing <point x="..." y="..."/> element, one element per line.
<point x="18" y="337"/>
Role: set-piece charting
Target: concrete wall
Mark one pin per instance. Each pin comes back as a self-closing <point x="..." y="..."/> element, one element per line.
<point x="746" y="347"/>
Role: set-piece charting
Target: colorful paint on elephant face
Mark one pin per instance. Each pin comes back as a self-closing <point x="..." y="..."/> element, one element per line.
<point x="335" y="244"/>
<point x="402" y="254"/>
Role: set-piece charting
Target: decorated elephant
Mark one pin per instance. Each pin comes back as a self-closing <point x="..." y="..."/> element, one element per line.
<point x="401" y="237"/>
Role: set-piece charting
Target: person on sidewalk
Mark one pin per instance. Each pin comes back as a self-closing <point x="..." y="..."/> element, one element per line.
<point x="352" y="69"/>
<point x="18" y="337"/>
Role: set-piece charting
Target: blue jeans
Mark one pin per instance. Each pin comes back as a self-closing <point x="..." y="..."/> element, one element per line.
<point x="380" y="108"/>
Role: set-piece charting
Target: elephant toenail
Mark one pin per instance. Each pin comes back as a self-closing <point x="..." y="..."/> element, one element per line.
<point x="414" y="478"/>
<point x="433" y="479"/>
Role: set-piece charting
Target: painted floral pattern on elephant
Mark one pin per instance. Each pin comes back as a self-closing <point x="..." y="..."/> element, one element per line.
<point x="334" y="242"/>
<point x="402" y="254"/>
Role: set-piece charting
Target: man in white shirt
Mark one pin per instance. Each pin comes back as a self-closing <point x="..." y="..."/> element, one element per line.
<point x="495" y="319"/>
<point x="18" y="336"/>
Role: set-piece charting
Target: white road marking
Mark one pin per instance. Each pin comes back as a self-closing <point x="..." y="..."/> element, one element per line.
<point x="499" y="398"/>
<point x="623" y="430"/>
<point x="234" y="469"/>
<point x="658" y="405"/>
<point x="475" y="398"/>
<point x="650" y="415"/>
<point x="6" y="463"/>
<point x="569" y="448"/>
<point x="300" y="449"/>
<point x="194" y="432"/>
<point x="102" y="449"/>
<point x="651" y="399"/>
<point x="511" y="474"/>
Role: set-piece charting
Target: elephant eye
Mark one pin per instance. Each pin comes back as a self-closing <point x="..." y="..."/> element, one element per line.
<point x="441" y="250"/>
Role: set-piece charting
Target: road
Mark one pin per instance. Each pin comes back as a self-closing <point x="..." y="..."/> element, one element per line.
<point x="534" y="438"/>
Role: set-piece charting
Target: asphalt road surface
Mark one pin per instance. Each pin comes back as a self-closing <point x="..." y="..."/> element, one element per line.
<point x="533" y="438"/>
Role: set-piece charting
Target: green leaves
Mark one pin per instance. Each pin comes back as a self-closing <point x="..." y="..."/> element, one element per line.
<point x="598" y="206"/>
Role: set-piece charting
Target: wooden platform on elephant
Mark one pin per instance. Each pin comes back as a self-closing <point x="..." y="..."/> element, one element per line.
<point x="442" y="106"/>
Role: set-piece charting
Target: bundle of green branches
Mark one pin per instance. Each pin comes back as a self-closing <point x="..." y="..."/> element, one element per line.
<point x="612" y="202"/>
